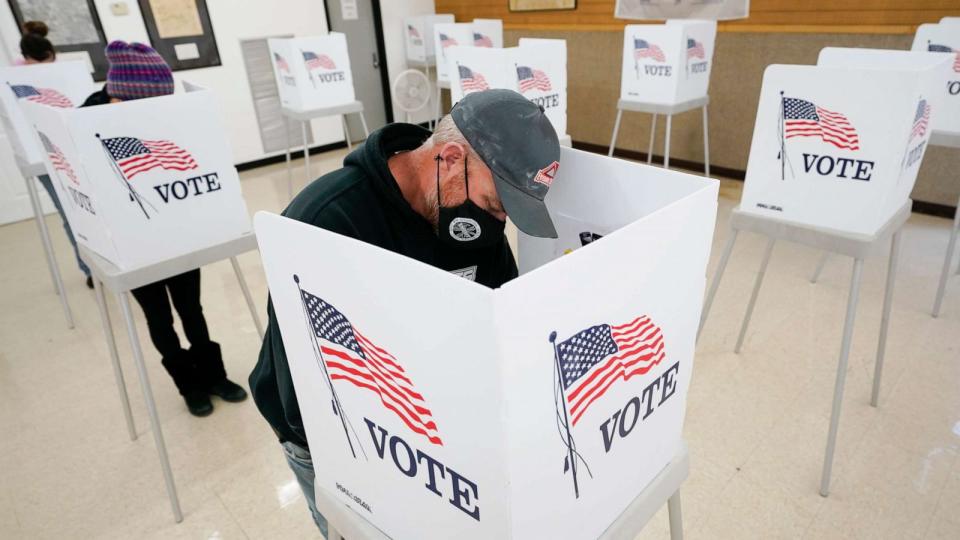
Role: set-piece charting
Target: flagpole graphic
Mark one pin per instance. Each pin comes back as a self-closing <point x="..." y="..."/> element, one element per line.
<point x="134" y="194"/>
<point x="334" y="399"/>
<point x="570" y="463"/>
<point x="783" y="151"/>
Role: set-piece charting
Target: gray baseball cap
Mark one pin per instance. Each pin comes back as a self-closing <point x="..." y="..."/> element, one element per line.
<point x="517" y="142"/>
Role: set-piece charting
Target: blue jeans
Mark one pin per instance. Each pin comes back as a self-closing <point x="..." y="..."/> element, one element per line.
<point x="48" y="185"/>
<point x="302" y="465"/>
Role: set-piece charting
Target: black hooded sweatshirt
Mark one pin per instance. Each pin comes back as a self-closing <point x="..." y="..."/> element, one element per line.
<point x="363" y="201"/>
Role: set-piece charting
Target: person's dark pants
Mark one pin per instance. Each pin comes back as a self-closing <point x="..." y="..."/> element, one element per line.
<point x="199" y="367"/>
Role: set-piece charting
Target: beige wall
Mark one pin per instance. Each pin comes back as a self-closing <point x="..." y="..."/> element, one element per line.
<point x="593" y="87"/>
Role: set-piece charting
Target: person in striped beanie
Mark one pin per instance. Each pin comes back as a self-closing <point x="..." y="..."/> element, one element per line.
<point x="137" y="71"/>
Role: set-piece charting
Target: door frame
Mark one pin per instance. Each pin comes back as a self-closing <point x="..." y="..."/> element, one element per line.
<point x="381" y="53"/>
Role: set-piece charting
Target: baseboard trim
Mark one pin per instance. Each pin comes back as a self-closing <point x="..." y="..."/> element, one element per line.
<point x="247" y="165"/>
<point x="919" y="207"/>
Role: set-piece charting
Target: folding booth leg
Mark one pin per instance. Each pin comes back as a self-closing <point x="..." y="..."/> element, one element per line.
<point x="429" y="100"/>
<point x="48" y="250"/>
<point x="114" y="357"/>
<point x="666" y="143"/>
<point x="841" y="377"/>
<point x="676" y="518"/>
<point x="616" y="129"/>
<point x="124" y="301"/>
<point x="945" y="273"/>
<point x="706" y="144"/>
<point x="823" y="262"/>
<point x="885" y="317"/>
<point x="363" y="122"/>
<point x="286" y="131"/>
<point x="346" y="131"/>
<point x="653" y="137"/>
<point x="754" y="294"/>
<point x="306" y="148"/>
<point x="246" y="295"/>
<point x="715" y="284"/>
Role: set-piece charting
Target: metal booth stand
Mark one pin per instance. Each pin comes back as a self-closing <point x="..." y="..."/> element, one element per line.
<point x="343" y="522"/>
<point x="304" y="117"/>
<point x="30" y="171"/>
<point x="949" y="140"/>
<point x="120" y="283"/>
<point x="668" y="110"/>
<point x="441" y="85"/>
<point x="856" y="246"/>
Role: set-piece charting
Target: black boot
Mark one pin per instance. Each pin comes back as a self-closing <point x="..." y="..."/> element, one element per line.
<point x="213" y="376"/>
<point x="184" y="374"/>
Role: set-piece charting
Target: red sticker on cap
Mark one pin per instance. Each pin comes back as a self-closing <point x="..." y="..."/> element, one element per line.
<point x="545" y="175"/>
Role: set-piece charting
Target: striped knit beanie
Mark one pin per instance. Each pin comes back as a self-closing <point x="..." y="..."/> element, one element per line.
<point x="137" y="71"/>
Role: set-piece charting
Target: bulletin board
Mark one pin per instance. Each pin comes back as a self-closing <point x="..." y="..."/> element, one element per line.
<point x="74" y="27"/>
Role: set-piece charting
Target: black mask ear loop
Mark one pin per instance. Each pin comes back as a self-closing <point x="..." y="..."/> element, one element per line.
<point x="466" y="177"/>
<point x="437" y="159"/>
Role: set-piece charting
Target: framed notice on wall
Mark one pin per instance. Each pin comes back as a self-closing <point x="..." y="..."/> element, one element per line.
<point x="541" y="5"/>
<point x="181" y="32"/>
<point x="75" y="29"/>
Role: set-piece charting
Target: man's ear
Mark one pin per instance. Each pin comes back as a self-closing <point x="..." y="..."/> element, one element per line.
<point x="451" y="153"/>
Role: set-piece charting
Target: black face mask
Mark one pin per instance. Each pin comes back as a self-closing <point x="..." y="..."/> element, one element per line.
<point x="466" y="226"/>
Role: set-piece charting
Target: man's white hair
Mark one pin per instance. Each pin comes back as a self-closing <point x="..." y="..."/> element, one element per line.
<point x="448" y="132"/>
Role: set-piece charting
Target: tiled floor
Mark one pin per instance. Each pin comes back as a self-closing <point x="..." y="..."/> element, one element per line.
<point x="756" y="423"/>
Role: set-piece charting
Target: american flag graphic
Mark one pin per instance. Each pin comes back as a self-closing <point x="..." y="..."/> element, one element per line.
<point x="695" y="49"/>
<point x="349" y="356"/>
<point x="595" y="358"/>
<point x="57" y="158"/>
<point x="532" y="79"/>
<point x="921" y="120"/>
<point x="802" y="118"/>
<point x="643" y="49"/>
<point x="46" y="96"/>
<point x="135" y="156"/>
<point x="932" y="47"/>
<point x="447" y="41"/>
<point x="281" y="63"/>
<point x="480" y="40"/>
<point x="412" y="31"/>
<point x="317" y="61"/>
<point x="471" y="81"/>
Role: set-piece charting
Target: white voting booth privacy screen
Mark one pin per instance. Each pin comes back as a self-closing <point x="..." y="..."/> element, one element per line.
<point x="944" y="39"/>
<point x="59" y="84"/>
<point x="488" y="33"/>
<point x="312" y="72"/>
<point x="448" y="35"/>
<point x="537" y="69"/>
<point x="438" y="408"/>
<point x="667" y="63"/>
<point x="144" y="181"/>
<point x="840" y="147"/>
<point x="418" y="36"/>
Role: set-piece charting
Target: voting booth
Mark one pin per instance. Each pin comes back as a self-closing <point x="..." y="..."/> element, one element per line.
<point x="840" y="147"/>
<point x="537" y="69"/>
<point x="143" y="181"/>
<point x="448" y="35"/>
<point x="418" y="36"/>
<point x="312" y="72"/>
<point x="448" y="414"/>
<point x="668" y="63"/>
<point x="488" y="33"/>
<point x="58" y="84"/>
<point x="944" y="40"/>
